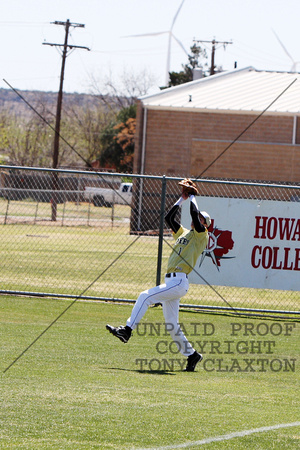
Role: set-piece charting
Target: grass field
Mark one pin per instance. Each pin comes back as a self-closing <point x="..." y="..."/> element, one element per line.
<point x="78" y="387"/>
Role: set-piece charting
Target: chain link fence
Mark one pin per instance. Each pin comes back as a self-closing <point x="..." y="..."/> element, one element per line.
<point x="58" y="239"/>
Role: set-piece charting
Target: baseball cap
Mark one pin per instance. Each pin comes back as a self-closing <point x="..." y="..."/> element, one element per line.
<point x="206" y="217"/>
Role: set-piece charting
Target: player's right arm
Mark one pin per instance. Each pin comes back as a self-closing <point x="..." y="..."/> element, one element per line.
<point x="194" y="211"/>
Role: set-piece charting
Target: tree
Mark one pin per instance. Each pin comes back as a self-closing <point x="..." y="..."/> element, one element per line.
<point x="125" y="138"/>
<point x="117" y="137"/>
<point x="25" y="140"/>
<point x="118" y="141"/>
<point x="99" y="126"/>
<point x="197" y="59"/>
<point x="83" y="126"/>
<point x="122" y="93"/>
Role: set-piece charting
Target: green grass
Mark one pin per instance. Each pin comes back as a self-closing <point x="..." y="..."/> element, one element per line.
<point x="78" y="387"/>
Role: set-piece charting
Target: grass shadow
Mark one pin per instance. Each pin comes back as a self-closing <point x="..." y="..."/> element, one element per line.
<point x="150" y="372"/>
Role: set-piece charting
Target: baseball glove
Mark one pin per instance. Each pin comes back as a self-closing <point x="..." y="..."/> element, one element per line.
<point x="189" y="186"/>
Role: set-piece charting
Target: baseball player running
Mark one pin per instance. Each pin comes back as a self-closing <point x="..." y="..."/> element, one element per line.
<point x="189" y="244"/>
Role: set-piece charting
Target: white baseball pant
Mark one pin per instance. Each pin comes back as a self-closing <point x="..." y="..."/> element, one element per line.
<point x="168" y="294"/>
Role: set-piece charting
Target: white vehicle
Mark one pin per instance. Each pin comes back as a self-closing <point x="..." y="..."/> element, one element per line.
<point x="109" y="196"/>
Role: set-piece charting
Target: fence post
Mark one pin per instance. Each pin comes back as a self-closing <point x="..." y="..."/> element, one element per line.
<point x="89" y="211"/>
<point x="64" y="209"/>
<point x="112" y="213"/>
<point x="161" y="229"/>
<point x="36" y="211"/>
<point x="6" y="212"/>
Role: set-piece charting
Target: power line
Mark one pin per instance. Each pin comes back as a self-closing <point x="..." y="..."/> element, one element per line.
<point x="213" y="50"/>
<point x="66" y="48"/>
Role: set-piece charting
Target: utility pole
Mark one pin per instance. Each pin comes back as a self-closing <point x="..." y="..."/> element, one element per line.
<point x="65" y="51"/>
<point x="213" y="50"/>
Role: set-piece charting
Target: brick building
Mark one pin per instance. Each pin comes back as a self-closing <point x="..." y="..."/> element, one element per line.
<point x="182" y="130"/>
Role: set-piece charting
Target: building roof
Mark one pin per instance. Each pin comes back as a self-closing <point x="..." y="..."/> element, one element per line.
<point x="245" y="90"/>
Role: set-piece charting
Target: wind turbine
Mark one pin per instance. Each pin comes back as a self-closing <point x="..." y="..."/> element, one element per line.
<point x="295" y="63"/>
<point x="171" y="35"/>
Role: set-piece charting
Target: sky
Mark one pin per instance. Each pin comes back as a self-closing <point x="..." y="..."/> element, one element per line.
<point x="251" y="26"/>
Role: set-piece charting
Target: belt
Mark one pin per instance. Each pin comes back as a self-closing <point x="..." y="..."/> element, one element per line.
<point x="176" y="274"/>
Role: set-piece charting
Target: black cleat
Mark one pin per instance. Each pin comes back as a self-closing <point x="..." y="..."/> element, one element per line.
<point x="192" y="361"/>
<point x="123" y="333"/>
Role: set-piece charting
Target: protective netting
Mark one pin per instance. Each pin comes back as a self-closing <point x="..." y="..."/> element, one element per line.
<point x="57" y="240"/>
